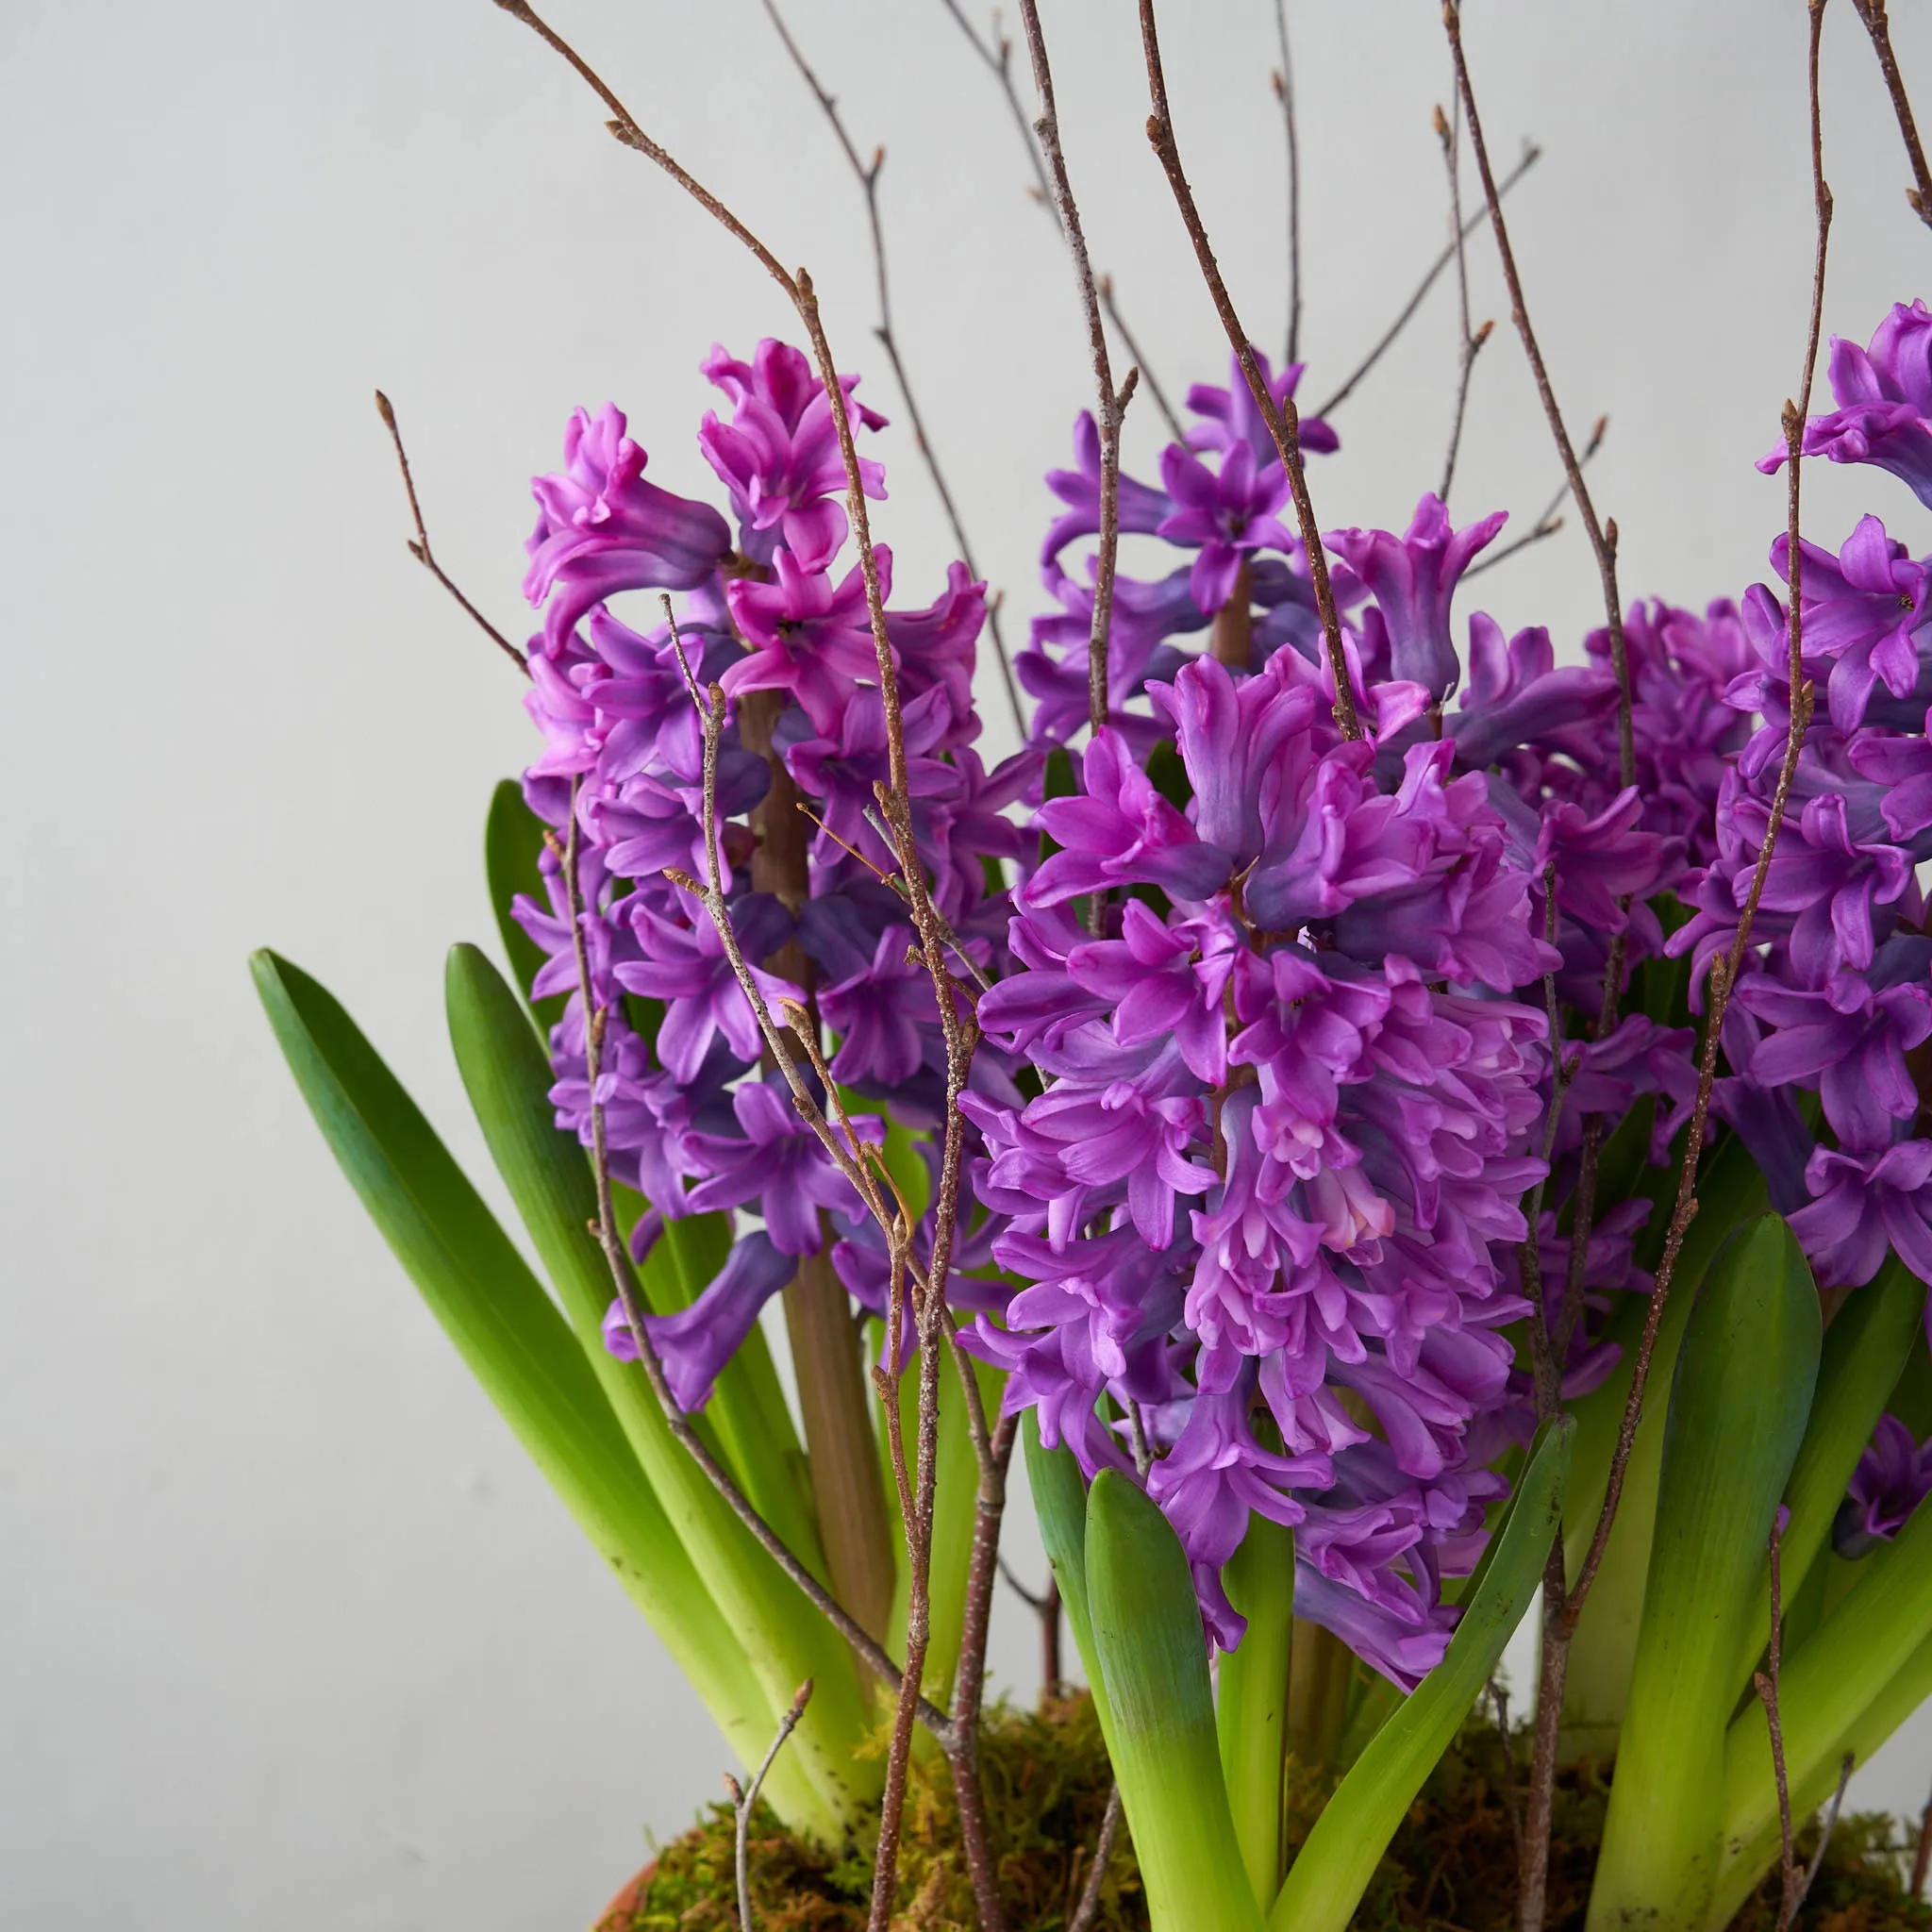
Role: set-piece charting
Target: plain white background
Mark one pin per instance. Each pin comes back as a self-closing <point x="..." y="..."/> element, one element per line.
<point x="289" y="1635"/>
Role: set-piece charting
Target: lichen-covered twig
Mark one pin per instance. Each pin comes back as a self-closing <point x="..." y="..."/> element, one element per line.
<point x="1088" y="1909"/>
<point x="1469" y="341"/>
<point x="1765" y="1683"/>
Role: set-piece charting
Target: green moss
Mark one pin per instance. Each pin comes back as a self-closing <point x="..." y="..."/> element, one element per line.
<point x="1452" y="1867"/>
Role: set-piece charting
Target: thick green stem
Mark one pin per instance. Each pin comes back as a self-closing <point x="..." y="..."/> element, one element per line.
<point x="1251" y="1697"/>
<point x="1319" y="1670"/>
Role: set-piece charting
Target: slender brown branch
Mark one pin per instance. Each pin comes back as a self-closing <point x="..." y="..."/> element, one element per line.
<point x="1921" y="1855"/>
<point x="1088" y="1909"/>
<point x="1283" y="423"/>
<point x="1827" y="1827"/>
<point x="1110" y="403"/>
<point x="996" y="55"/>
<point x="743" y="1799"/>
<point x="1530" y="157"/>
<point x="1175" y="426"/>
<point x="1600" y="540"/>
<point x="1873" y="13"/>
<point x="1724" y="973"/>
<point x="1282" y="79"/>
<point x="419" y="545"/>
<point x="868" y="174"/>
<point x="1469" y="341"/>
<point x="1550" y="522"/>
<point x="1765" y="1683"/>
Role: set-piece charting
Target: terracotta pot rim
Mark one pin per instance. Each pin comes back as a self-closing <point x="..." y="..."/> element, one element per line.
<point x="617" y="1915"/>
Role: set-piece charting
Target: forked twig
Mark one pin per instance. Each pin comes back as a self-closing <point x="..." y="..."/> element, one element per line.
<point x="1469" y="341"/>
<point x="1282" y="79"/>
<point x="1825" y="1829"/>
<point x="1283" y="423"/>
<point x="1175" y="426"/>
<point x="1531" y="155"/>
<point x="418" y="545"/>
<point x="868" y="177"/>
<point x="1088" y="1909"/>
<point x="1550" y="522"/>
<point x="744" y="1798"/>
<point x="1112" y="404"/>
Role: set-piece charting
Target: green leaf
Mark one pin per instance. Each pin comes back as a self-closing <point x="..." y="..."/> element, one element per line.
<point x="1730" y="1190"/>
<point x="1159" y="1715"/>
<point x="512" y="841"/>
<point x="1746" y="1860"/>
<point x="1251" y="1696"/>
<point x="507" y="1330"/>
<point x="785" y="1639"/>
<point x="1864" y="1354"/>
<point x="1739" y="1401"/>
<point x="1328" y="1877"/>
<point x="1059" y="1502"/>
<point x="1865" y="1640"/>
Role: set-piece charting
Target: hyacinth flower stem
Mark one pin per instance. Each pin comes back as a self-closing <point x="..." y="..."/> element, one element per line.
<point x="1112" y="404"/>
<point x="1284" y="422"/>
<point x="1251" y="1696"/>
<point x="867" y="174"/>
<point x="1531" y="155"/>
<point x="418" y="545"/>
<point x="1282" y="80"/>
<point x="1873" y="14"/>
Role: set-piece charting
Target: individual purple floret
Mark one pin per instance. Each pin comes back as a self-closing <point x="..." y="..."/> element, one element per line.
<point x="1892" y="1478"/>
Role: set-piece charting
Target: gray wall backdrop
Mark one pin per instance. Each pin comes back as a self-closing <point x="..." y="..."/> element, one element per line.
<point x="289" y="1635"/>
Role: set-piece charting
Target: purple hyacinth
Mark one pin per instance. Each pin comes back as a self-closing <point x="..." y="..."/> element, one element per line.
<point x="1892" y="1478"/>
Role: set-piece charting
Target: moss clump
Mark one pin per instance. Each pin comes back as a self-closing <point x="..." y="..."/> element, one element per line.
<point x="1046" y="1779"/>
<point x="1452" y="1867"/>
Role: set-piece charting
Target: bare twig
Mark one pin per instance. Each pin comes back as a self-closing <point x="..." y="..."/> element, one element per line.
<point x="1825" y="1829"/>
<point x="418" y="545"/>
<point x="1499" y="1705"/>
<point x="743" y="1799"/>
<point x="1873" y="13"/>
<point x="1175" y="426"/>
<point x="1765" y="1683"/>
<point x="1530" y="157"/>
<point x="1045" y="1605"/>
<point x="996" y="54"/>
<point x="1469" y="342"/>
<point x="1921" y="1855"/>
<point x="1088" y="1909"/>
<point x="1724" y="973"/>
<point x="868" y="178"/>
<point x="1283" y="423"/>
<point x="1283" y="81"/>
<point x="1111" y="404"/>
<point x="1550" y="522"/>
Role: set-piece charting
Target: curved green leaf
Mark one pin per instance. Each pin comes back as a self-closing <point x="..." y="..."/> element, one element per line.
<point x="1059" y="1502"/>
<point x="508" y="1330"/>
<point x="1159" y="1715"/>
<point x="1739" y="1401"/>
<point x="1333" y="1869"/>
<point x="784" y="1638"/>
<point x="1251" y="1696"/>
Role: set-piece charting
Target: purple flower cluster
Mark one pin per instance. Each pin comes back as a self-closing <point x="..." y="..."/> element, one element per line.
<point x="694" y="1125"/>
<point x="1892" y="1478"/>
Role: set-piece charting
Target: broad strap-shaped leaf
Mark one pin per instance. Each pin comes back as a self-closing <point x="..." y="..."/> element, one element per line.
<point x="1864" y="1353"/>
<point x="1746" y="1860"/>
<point x="1159" y="1715"/>
<point x="508" y="1330"/>
<point x="1251" y="1696"/>
<point x="1333" y="1869"/>
<point x="1865" y="1640"/>
<point x="512" y="841"/>
<point x="783" y="1638"/>
<point x="1739" y="1401"/>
